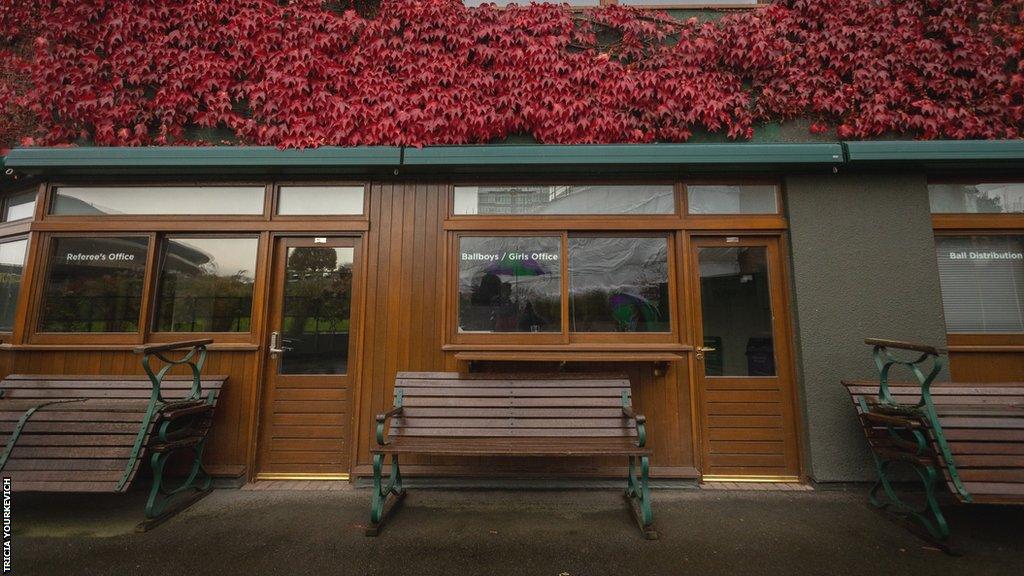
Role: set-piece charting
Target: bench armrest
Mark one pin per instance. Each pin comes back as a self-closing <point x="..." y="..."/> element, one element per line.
<point x="382" y="419"/>
<point x="641" y="424"/>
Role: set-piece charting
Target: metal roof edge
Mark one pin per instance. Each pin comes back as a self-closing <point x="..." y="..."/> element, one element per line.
<point x="623" y="154"/>
<point x="935" y="151"/>
<point x="141" y="158"/>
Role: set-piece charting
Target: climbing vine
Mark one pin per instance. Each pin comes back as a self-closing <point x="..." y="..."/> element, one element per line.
<point x="303" y="73"/>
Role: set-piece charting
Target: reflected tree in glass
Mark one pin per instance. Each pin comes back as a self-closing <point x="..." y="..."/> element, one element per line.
<point x="316" y="310"/>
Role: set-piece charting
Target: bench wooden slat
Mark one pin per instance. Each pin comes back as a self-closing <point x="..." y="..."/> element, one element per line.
<point x="85" y="445"/>
<point x="984" y="428"/>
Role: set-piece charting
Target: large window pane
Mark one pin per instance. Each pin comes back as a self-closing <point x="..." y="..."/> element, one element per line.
<point x="320" y="200"/>
<point x="738" y="199"/>
<point x="736" y="311"/>
<point x="977" y="198"/>
<point x="510" y="284"/>
<point x="20" y="206"/>
<point x="12" y="265"/>
<point x="94" y="284"/>
<point x="982" y="281"/>
<point x="206" y="284"/>
<point x="611" y="199"/>
<point x="157" y="200"/>
<point x="317" y="310"/>
<point x="618" y="284"/>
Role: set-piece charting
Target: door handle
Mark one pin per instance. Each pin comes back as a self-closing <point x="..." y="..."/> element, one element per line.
<point x="701" y="350"/>
<point x="275" y="345"/>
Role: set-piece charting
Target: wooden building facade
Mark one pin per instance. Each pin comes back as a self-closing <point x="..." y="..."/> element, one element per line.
<point x="319" y="286"/>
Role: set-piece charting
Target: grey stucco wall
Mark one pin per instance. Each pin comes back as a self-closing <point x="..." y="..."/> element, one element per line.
<point x="863" y="265"/>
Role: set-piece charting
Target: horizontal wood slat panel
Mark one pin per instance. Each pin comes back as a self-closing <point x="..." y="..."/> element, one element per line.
<point x="984" y="426"/>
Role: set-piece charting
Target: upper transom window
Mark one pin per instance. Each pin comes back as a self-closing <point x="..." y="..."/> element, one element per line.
<point x="564" y="200"/>
<point x="157" y="200"/>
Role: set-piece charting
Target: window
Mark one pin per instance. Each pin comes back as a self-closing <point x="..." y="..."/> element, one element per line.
<point x="206" y="284"/>
<point x="20" y="206"/>
<point x="982" y="279"/>
<point x="158" y="200"/>
<point x="320" y="200"/>
<point x="565" y="200"/>
<point x="987" y="198"/>
<point x="510" y="284"/>
<point x="732" y="199"/>
<point x="94" y="284"/>
<point x="12" y="266"/>
<point x="618" y="284"/>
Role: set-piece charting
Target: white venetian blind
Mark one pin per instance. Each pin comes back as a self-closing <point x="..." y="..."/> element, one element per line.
<point x="982" y="281"/>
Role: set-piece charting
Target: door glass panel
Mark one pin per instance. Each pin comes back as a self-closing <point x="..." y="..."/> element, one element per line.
<point x="736" y="311"/>
<point x="12" y="265"/>
<point x="316" y="310"/>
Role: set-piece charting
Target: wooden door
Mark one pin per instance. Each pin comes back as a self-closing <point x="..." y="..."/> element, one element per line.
<point x="744" y="378"/>
<point x="305" y="421"/>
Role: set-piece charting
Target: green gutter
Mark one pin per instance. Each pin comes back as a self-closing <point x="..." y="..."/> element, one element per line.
<point x="935" y="151"/>
<point x="626" y="154"/>
<point x="650" y="160"/>
<point x="222" y="160"/>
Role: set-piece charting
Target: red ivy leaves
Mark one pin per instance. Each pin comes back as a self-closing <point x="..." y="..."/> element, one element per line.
<point x="294" y="74"/>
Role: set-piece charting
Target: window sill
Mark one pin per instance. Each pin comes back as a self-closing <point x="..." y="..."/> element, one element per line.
<point x="572" y="353"/>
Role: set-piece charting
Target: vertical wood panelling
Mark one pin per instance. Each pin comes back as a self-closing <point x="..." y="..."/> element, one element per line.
<point x="404" y="327"/>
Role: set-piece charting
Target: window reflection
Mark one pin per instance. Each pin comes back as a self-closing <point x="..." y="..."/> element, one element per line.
<point x="20" y="206"/>
<point x="565" y="199"/>
<point x="618" y="284"/>
<point x="988" y="198"/>
<point x="316" y="311"/>
<point x="206" y="284"/>
<point x="509" y="284"/>
<point x="155" y="200"/>
<point x="12" y="266"/>
<point x="94" y="284"/>
<point x="731" y="199"/>
<point x="736" y="311"/>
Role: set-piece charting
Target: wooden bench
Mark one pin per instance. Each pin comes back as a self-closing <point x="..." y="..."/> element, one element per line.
<point x="966" y="437"/>
<point x="91" y="433"/>
<point x="445" y="414"/>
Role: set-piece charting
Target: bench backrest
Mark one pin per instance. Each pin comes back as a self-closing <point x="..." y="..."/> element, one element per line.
<point x="982" y="424"/>
<point x="446" y="404"/>
<point x="52" y="387"/>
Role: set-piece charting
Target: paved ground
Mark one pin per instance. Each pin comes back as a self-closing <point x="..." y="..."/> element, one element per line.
<point x="489" y="532"/>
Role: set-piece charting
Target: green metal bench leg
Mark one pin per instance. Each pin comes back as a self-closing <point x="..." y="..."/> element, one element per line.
<point x="638" y="492"/>
<point x="162" y="502"/>
<point x="929" y="515"/>
<point x="385" y="498"/>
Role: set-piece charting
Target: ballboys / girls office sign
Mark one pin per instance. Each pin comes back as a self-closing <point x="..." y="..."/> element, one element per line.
<point x="510" y="257"/>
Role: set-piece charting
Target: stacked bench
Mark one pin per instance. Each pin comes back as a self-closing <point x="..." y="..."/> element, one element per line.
<point x="447" y="414"/>
<point x="967" y="438"/>
<point x="93" y="433"/>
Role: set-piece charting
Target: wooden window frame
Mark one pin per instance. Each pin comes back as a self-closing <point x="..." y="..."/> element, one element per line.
<point x="247" y="337"/>
<point x="37" y="336"/>
<point x="975" y="224"/>
<point x="7" y="335"/>
<point x="676" y="227"/>
<point x="52" y="187"/>
<point x="556" y="222"/>
<point x="275" y="199"/>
